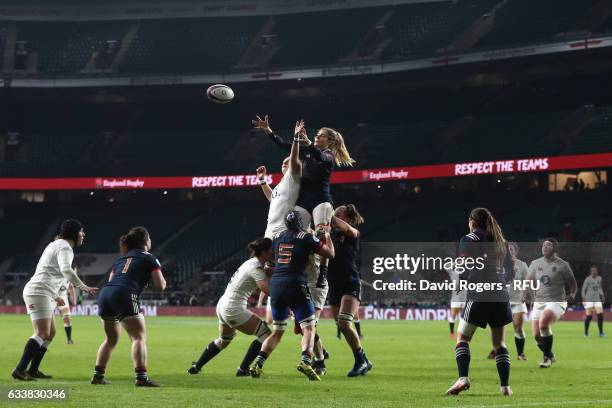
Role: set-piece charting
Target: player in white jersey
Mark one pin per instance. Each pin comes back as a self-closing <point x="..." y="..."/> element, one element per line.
<point x="41" y="296"/>
<point x="592" y="300"/>
<point x="519" y="308"/>
<point x="551" y="275"/>
<point x="232" y="308"/>
<point x="283" y="199"/>
<point x="457" y="302"/>
<point x="68" y="295"/>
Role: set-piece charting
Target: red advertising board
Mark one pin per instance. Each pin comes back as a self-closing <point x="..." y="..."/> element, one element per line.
<point x="527" y="165"/>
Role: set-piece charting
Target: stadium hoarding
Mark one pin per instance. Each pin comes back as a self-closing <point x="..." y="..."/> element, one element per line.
<point x="365" y="312"/>
<point x="492" y="167"/>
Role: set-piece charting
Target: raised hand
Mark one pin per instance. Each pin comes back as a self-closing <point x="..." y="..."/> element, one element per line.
<point x="299" y="129"/>
<point x="262" y="124"/>
<point x="261" y="171"/>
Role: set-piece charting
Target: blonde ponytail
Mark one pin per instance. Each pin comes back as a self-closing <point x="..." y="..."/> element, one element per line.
<point x="337" y="146"/>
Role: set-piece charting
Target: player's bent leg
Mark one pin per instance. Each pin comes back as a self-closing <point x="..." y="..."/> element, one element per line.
<point x="112" y="329"/>
<point x="47" y="329"/>
<point x="260" y="329"/>
<point x="305" y="365"/>
<point x="136" y="329"/>
<point x="519" y="335"/>
<point x="466" y="331"/>
<point x="226" y="335"/>
<point x="65" y="311"/>
<point x="502" y="359"/>
<point x="547" y="318"/>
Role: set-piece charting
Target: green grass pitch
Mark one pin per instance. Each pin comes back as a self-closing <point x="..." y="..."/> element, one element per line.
<point x="413" y="365"/>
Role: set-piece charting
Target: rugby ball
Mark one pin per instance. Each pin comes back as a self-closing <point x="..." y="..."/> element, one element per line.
<point x="220" y="93"/>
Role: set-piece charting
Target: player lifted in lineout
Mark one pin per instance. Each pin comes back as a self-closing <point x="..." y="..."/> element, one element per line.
<point x="283" y="199"/>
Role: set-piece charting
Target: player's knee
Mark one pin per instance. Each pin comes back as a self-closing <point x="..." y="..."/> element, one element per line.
<point x="308" y="323"/>
<point x="466" y="330"/>
<point x="546" y="331"/>
<point x="519" y="334"/>
<point x="262" y="331"/>
<point x="279" y="327"/>
<point x="345" y="321"/>
<point x="224" y="341"/>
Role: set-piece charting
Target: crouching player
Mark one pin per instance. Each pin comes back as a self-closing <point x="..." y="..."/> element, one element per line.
<point x="119" y="302"/>
<point x="232" y="308"/>
<point x="289" y="291"/>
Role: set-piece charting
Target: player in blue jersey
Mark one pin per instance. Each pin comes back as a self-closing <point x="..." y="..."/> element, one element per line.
<point x="289" y="291"/>
<point x="345" y="282"/>
<point x="486" y="249"/>
<point x="119" y="302"/>
<point x="318" y="161"/>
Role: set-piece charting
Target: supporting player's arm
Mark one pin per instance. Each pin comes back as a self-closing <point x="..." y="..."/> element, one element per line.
<point x="265" y="187"/>
<point x="262" y="296"/>
<point x="263" y="285"/>
<point x="327" y="249"/>
<point x="64" y="260"/>
<point x="345" y="228"/>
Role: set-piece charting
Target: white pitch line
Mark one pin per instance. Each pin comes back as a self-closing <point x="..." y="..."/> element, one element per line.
<point x="535" y="404"/>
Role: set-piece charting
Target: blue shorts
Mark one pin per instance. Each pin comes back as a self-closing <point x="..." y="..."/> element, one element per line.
<point x="290" y="294"/>
<point x="117" y="303"/>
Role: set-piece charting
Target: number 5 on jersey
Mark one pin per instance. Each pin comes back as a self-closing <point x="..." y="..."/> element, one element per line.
<point x="285" y="253"/>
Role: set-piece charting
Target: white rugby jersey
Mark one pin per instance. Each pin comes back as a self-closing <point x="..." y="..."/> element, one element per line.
<point x="244" y="282"/>
<point x="592" y="289"/>
<point x="284" y="197"/>
<point x="48" y="278"/>
<point x="552" y="275"/>
<point x="520" y="274"/>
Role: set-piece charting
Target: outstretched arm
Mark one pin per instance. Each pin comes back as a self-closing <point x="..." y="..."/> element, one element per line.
<point x="295" y="165"/>
<point x="264" y="126"/>
<point x="344" y="227"/>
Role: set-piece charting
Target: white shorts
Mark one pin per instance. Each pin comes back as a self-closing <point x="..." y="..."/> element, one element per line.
<point x="232" y="315"/>
<point x="457" y="305"/>
<point x="322" y="214"/>
<point x="518" y="308"/>
<point x="598" y="306"/>
<point x="558" y="309"/>
<point x="318" y="295"/>
<point x="39" y="307"/>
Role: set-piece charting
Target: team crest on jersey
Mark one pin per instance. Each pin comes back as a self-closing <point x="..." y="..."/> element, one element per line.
<point x="31" y="307"/>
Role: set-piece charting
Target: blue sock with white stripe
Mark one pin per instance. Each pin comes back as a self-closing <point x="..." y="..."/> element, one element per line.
<point x="462" y="355"/>
<point x="502" y="360"/>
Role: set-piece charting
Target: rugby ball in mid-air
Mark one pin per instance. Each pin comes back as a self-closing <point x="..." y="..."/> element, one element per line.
<point x="220" y="93"/>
